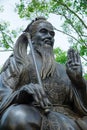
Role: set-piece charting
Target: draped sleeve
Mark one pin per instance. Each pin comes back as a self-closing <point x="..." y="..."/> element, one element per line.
<point x="11" y="73"/>
<point x="79" y="98"/>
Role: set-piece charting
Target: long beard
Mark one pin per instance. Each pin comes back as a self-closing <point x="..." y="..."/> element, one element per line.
<point x="48" y="62"/>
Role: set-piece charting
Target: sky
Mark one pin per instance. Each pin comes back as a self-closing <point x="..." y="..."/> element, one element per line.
<point x="15" y="22"/>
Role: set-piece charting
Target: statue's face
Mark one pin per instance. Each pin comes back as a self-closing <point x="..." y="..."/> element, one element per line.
<point x="44" y="35"/>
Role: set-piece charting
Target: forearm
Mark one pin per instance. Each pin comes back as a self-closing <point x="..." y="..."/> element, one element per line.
<point x="79" y="82"/>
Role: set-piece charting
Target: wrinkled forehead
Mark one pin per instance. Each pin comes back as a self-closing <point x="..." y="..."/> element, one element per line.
<point x="45" y="25"/>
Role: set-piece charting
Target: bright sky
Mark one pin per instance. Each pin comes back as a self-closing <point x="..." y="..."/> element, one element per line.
<point x="9" y="15"/>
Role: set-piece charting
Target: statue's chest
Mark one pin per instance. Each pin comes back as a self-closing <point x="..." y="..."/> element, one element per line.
<point x="56" y="89"/>
<point x="54" y="86"/>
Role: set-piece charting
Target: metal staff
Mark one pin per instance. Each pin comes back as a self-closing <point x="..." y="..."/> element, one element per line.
<point x="37" y="72"/>
<point x="33" y="55"/>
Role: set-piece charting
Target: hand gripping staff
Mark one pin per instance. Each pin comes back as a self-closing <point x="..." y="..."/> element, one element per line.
<point x="46" y="110"/>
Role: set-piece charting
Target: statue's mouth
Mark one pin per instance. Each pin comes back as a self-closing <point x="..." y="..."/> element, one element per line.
<point x="48" y="42"/>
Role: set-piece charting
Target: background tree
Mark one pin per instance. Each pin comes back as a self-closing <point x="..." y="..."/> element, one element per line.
<point x="72" y="14"/>
<point x="7" y="35"/>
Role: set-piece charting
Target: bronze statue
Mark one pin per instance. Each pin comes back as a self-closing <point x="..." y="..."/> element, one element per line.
<point x="60" y="103"/>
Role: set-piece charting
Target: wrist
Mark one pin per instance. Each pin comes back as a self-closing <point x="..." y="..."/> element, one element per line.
<point x="79" y="82"/>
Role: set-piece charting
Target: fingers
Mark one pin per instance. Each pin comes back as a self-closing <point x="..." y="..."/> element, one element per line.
<point x="40" y="96"/>
<point x="73" y="65"/>
<point x="32" y="90"/>
<point x="73" y="56"/>
<point x="78" y="58"/>
<point x="44" y="102"/>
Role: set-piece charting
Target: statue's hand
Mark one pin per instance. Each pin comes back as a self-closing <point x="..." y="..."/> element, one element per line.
<point x="38" y="94"/>
<point x="73" y="66"/>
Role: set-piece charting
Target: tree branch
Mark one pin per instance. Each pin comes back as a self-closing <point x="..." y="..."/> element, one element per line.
<point x="84" y="58"/>
<point x="74" y="29"/>
<point x="66" y="34"/>
<point x="75" y="14"/>
<point x="5" y="50"/>
<point x="5" y="39"/>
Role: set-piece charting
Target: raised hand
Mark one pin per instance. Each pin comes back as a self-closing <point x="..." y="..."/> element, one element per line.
<point x="38" y="94"/>
<point x="73" y="66"/>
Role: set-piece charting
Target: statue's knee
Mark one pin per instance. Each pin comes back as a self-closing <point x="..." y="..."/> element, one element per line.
<point x="21" y="117"/>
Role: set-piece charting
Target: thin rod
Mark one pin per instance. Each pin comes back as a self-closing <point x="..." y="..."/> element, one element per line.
<point x="34" y="60"/>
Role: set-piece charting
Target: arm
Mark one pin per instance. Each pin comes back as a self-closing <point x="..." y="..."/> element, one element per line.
<point x="33" y="92"/>
<point x="13" y="79"/>
<point x="74" y="68"/>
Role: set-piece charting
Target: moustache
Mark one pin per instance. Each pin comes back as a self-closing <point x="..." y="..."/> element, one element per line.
<point x="48" y="42"/>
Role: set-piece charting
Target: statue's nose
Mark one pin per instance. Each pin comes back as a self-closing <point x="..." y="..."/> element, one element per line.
<point x="49" y="36"/>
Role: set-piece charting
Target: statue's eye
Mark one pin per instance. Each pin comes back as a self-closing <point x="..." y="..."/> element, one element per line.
<point x="43" y="30"/>
<point x="52" y="33"/>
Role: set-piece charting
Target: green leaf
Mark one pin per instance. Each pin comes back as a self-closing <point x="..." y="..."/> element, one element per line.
<point x="60" y="55"/>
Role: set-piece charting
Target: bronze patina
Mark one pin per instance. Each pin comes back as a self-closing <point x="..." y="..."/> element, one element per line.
<point x="59" y="102"/>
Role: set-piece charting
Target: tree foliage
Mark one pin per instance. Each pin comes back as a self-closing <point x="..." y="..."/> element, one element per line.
<point x="7" y="35"/>
<point x="72" y="14"/>
<point x="60" y="55"/>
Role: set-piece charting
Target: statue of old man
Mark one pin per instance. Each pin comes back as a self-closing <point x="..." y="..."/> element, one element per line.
<point x="59" y="102"/>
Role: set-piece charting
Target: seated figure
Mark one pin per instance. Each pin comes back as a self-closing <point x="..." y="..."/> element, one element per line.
<point x="60" y="103"/>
